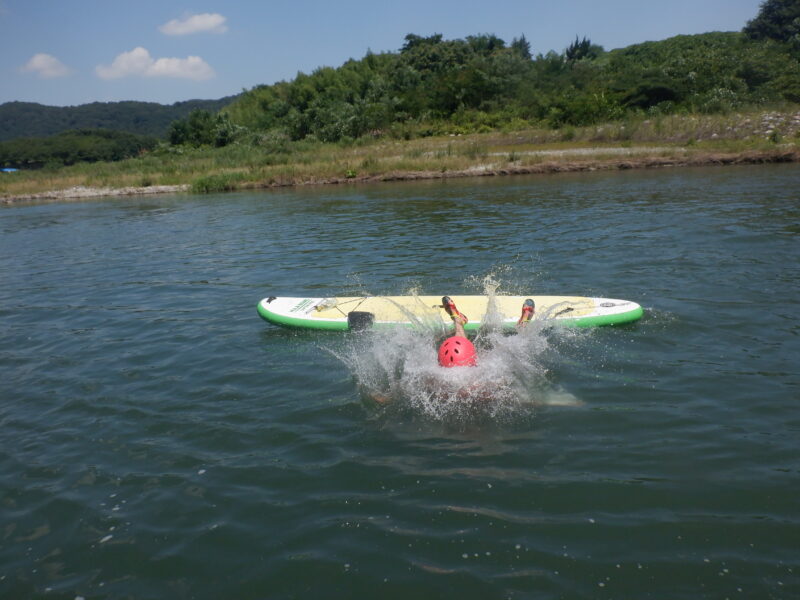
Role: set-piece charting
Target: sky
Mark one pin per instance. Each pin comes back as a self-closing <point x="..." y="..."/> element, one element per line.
<point x="70" y="52"/>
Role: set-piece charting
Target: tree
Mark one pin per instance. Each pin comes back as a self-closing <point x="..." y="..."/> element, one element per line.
<point x="776" y="20"/>
<point x="485" y="44"/>
<point x="196" y="130"/>
<point x="522" y="47"/>
<point x="414" y="41"/>
<point x="584" y="48"/>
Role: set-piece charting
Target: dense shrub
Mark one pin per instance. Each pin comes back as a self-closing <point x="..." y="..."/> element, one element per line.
<point x="202" y="128"/>
<point x="223" y="182"/>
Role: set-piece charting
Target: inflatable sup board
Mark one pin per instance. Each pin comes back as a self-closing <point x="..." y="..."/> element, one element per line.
<point x="355" y="313"/>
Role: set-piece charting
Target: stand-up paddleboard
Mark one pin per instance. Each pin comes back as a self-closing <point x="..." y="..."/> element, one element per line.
<point x="342" y="314"/>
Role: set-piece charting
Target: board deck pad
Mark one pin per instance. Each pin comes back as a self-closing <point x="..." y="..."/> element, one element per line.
<point x="397" y="311"/>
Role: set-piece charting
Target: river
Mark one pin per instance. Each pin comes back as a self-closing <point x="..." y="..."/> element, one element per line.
<point x="159" y="440"/>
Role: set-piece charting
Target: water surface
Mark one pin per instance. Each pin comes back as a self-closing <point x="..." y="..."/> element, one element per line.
<point x="157" y="439"/>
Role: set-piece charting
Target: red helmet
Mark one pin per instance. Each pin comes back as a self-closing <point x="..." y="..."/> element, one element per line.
<point x="457" y="351"/>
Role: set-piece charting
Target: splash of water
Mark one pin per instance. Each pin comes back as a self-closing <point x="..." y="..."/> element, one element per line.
<point x="398" y="370"/>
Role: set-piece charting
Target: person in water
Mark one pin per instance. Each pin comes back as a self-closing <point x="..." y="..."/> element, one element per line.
<point x="458" y="350"/>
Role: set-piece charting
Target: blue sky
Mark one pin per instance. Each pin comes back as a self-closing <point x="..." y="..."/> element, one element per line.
<point x="67" y="52"/>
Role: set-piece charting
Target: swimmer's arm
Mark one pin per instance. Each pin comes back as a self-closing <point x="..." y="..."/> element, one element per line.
<point x="376" y="397"/>
<point x="476" y="391"/>
<point x="379" y="398"/>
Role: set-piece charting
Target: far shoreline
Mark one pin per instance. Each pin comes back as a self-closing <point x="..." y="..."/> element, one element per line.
<point x="695" y="158"/>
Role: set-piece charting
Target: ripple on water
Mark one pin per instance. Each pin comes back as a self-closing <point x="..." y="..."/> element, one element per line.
<point x="157" y="439"/>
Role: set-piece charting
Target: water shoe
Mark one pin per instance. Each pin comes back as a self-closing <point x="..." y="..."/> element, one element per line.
<point x="450" y="307"/>
<point x="528" y="308"/>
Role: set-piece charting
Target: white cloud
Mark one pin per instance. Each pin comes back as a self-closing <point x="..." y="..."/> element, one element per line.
<point x="139" y="63"/>
<point x="210" y="22"/>
<point x="46" y="66"/>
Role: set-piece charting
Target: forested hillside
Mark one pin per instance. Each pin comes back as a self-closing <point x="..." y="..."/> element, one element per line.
<point x="26" y="119"/>
<point x="70" y="147"/>
<point x="433" y="85"/>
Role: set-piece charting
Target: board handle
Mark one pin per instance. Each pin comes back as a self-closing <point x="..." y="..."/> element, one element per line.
<point x="360" y="320"/>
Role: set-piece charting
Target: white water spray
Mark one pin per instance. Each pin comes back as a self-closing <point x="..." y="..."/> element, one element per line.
<point x="398" y="368"/>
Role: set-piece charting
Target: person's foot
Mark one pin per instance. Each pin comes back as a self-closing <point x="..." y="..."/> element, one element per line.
<point x="528" y="308"/>
<point x="450" y="307"/>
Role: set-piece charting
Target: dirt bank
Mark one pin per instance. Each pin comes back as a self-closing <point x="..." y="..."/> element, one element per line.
<point x="80" y="192"/>
<point x="562" y="166"/>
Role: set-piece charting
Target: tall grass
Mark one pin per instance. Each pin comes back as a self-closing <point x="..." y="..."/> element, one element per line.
<point x="220" y="182"/>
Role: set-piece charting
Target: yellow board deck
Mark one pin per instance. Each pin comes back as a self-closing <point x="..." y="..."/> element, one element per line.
<point x="341" y="314"/>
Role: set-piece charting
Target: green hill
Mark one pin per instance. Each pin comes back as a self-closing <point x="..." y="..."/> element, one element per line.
<point x="480" y="83"/>
<point x="27" y="119"/>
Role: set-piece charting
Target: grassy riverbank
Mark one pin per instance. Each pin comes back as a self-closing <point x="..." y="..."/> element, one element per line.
<point x="636" y="142"/>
